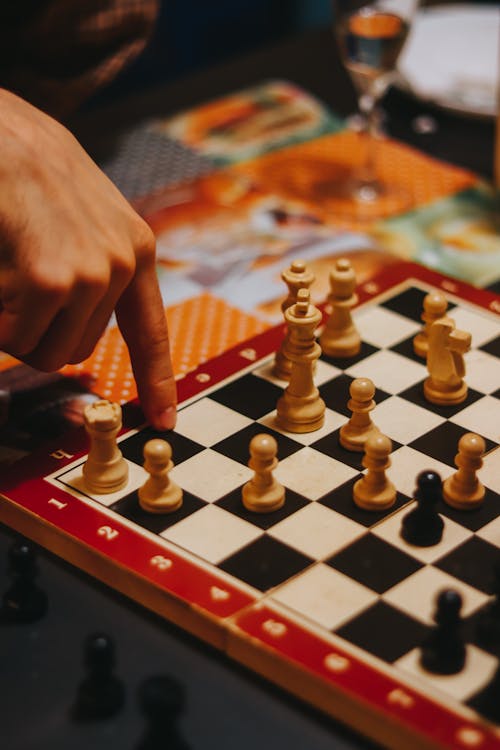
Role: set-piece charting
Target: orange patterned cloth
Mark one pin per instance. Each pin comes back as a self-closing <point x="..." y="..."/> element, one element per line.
<point x="56" y="54"/>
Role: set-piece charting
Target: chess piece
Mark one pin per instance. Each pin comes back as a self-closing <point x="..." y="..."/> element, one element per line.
<point x="263" y="493"/>
<point x="463" y="490"/>
<point x="24" y="602"/>
<point x="101" y="694"/>
<point x="159" y="493"/>
<point x="301" y="409"/>
<point x="488" y="621"/>
<point x="435" y="306"/>
<point x="423" y="526"/>
<point x="374" y="491"/>
<point x="296" y="277"/>
<point x="340" y="337"/>
<point x="354" y="434"/>
<point x="443" y="651"/>
<point x="162" y="701"/>
<point x="447" y="345"/>
<point x="105" y="470"/>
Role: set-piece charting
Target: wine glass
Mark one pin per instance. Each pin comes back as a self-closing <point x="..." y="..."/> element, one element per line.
<point x="370" y="35"/>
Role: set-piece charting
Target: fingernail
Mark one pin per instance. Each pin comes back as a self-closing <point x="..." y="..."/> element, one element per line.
<point x="166" y="419"/>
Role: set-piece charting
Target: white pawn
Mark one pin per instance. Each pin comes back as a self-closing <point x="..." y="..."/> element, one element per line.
<point x="354" y="434"/>
<point x="263" y="493"/>
<point x="463" y="490"/>
<point x="296" y="277"/>
<point x="374" y="491"/>
<point x="340" y="337"/>
<point x="435" y="305"/>
<point x="105" y="469"/>
<point x="159" y="493"/>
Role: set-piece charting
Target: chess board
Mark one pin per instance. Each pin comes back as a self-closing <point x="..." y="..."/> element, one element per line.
<point x="321" y="597"/>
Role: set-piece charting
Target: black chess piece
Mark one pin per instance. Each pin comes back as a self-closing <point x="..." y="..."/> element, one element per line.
<point x="487" y="701"/>
<point x="101" y="694"/>
<point x="423" y="526"/>
<point x="488" y="621"/>
<point x="162" y="701"/>
<point x="24" y="602"/>
<point x="443" y="651"/>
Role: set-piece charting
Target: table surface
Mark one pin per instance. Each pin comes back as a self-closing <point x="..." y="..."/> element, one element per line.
<point x="225" y="705"/>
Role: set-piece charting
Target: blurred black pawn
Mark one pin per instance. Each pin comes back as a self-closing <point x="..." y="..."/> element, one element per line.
<point x="487" y="701"/>
<point x="24" y="602"/>
<point x="162" y="702"/>
<point x="423" y="526"/>
<point x="101" y="694"/>
<point x="488" y="621"/>
<point x="443" y="651"/>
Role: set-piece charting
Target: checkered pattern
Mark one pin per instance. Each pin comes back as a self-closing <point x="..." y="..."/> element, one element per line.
<point x="346" y="569"/>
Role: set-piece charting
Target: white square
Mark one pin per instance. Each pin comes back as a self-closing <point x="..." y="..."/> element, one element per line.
<point x="333" y="420"/>
<point x="383" y="328"/>
<point x="312" y="474"/>
<point x="210" y="475"/>
<point x="407" y="463"/>
<point x="212" y="533"/>
<point x="482" y="371"/>
<point x="482" y="416"/>
<point x="491" y="532"/>
<point x="389" y="371"/>
<point x="317" y="531"/>
<point x="207" y="422"/>
<point x="403" y="421"/>
<point x="479" y="669"/>
<point x="389" y="530"/>
<point x="73" y="480"/>
<point x="481" y="325"/>
<point x="417" y="594"/>
<point x="489" y="474"/>
<point x="325" y="596"/>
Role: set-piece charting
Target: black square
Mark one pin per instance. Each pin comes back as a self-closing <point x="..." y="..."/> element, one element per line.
<point x="384" y="631"/>
<point x="415" y="394"/>
<point x="343" y="363"/>
<point x="374" y="563"/>
<point x="477" y="518"/>
<point x="340" y="499"/>
<point x="405" y="348"/>
<point x="492" y="347"/>
<point x="496" y="394"/>
<point x="182" y="447"/>
<point x="249" y="395"/>
<point x="495" y="287"/>
<point x="265" y="563"/>
<point x="236" y="446"/>
<point x="232" y="502"/>
<point x="472" y="562"/>
<point x="335" y="394"/>
<point x="410" y="303"/>
<point x="442" y="442"/>
<point x="129" y="507"/>
<point x="329" y="445"/>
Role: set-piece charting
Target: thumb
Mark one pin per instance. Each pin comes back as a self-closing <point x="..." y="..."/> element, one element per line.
<point x="141" y="319"/>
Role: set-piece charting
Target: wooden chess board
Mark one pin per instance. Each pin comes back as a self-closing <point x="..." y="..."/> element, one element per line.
<point x="321" y="597"/>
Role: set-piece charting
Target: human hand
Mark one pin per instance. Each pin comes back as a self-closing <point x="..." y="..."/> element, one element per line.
<point x="72" y="250"/>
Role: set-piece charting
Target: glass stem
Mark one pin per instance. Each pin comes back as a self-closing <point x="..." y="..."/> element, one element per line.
<point x="369" y="188"/>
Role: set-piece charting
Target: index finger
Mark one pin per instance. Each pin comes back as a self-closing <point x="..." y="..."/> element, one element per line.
<point x="143" y="324"/>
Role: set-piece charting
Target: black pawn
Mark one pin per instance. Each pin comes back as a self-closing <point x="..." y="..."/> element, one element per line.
<point x="488" y="622"/>
<point x="101" y="694"/>
<point x="487" y="701"/>
<point x="24" y="602"/>
<point x="423" y="526"/>
<point x="162" y="701"/>
<point x="443" y="651"/>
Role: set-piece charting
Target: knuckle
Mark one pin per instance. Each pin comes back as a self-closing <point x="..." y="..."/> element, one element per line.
<point x="144" y="241"/>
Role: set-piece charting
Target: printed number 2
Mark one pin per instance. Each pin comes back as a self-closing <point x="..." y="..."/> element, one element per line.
<point x="107" y="532"/>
